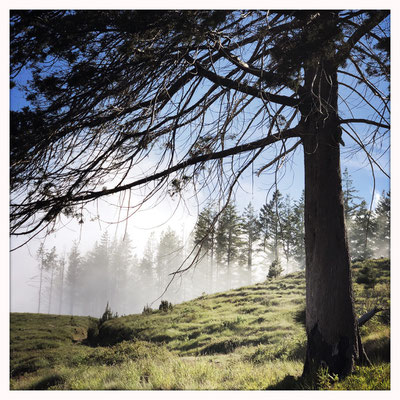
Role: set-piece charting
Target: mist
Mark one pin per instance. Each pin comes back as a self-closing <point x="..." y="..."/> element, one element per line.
<point x="77" y="272"/>
<point x="76" y="282"/>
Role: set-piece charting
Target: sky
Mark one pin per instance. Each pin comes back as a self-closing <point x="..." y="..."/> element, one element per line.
<point x="23" y="264"/>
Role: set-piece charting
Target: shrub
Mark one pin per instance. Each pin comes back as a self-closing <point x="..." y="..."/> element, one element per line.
<point x="275" y="269"/>
<point x="107" y="315"/>
<point x="147" y="310"/>
<point x="165" y="306"/>
<point x="325" y="380"/>
<point x="221" y="347"/>
<point x="367" y="276"/>
<point x="94" y="328"/>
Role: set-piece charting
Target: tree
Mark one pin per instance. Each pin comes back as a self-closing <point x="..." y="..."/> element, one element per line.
<point x="95" y="282"/>
<point x="209" y="94"/>
<point x="145" y="274"/>
<point x="349" y="196"/>
<point x="60" y="283"/>
<point x="120" y="263"/>
<point x="382" y="225"/>
<point x="298" y="231"/>
<point x="204" y="237"/>
<point x="275" y="269"/>
<point x="361" y="238"/>
<point x="204" y="232"/>
<point x="228" y="240"/>
<point x="287" y="224"/>
<point x="74" y="262"/>
<point x="40" y="256"/>
<point x="251" y="233"/>
<point x="270" y="222"/>
<point x="51" y="264"/>
<point x="168" y="258"/>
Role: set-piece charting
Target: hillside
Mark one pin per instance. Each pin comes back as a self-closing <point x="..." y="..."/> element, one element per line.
<point x="247" y="338"/>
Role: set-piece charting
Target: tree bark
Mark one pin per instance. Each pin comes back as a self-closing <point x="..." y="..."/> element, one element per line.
<point x="333" y="339"/>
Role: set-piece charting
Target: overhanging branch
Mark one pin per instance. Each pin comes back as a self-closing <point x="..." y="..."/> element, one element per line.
<point x="364" y="121"/>
<point x="241" y="87"/>
<point x="88" y="196"/>
<point x="376" y="18"/>
<point x="289" y="133"/>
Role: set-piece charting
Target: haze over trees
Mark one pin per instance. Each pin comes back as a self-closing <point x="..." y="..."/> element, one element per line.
<point x="111" y="272"/>
<point x="160" y="100"/>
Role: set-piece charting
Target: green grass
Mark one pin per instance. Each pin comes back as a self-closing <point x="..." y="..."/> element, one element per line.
<point x="251" y="338"/>
<point x="376" y="377"/>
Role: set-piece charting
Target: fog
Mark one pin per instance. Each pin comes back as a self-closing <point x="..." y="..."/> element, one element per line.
<point x="128" y="266"/>
<point x="112" y="272"/>
<point x="127" y="285"/>
<point x="25" y="268"/>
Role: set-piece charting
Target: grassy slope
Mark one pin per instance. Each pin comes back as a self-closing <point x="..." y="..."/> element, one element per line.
<point x="247" y="338"/>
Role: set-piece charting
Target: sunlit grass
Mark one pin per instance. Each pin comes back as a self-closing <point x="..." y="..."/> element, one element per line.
<point x="250" y="338"/>
<point x="202" y="373"/>
<point x="376" y="377"/>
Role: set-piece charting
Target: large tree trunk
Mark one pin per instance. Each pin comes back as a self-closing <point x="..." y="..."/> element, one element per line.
<point x="332" y="331"/>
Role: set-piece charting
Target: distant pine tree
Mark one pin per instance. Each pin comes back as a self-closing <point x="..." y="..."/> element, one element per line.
<point x="299" y="252"/>
<point x="72" y="277"/>
<point x="204" y="231"/>
<point x="270" y="224"/>
<point x="361" y="235"/>
<point x="168" y="259"/>
<point x="288" y="233"/>
<point x="228" y="240"/>
<point x="349" y="196"/>
<point x="251" y="232"/>
<point x="382" y="226"/>
<point x="120" y="264"/>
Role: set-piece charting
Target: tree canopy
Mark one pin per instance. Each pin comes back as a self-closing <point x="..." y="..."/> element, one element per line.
<point x="109" y="89"/>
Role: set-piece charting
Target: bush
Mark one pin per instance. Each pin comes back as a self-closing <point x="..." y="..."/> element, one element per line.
<point x="165" y="306"/>
<point x="367" y="276"/>
<point x="275" y="269"/>
<point x="107" y="315"/>
<point x="47" y="382"/>
<point x="94" y="328"/>
<point x="147" y="310"/>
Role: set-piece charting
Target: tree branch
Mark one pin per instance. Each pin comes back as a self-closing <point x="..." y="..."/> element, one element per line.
<point x="258" y="173"/>
<point x="266" y="76"/>
<point x="289" y="133"/>
<point x="376" y="18"/>
<point x="60" y="202"/>
<point x="241" y="87"/>
<point x="367" y="316"/>
<point x="364" y="121"/>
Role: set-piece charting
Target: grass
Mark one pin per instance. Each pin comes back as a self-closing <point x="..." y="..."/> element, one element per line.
<point x="251" y="338"/>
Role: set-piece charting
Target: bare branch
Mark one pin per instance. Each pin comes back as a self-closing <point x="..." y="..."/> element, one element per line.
<point x="375" y="18"/>
<point x="364" y="121"/>
<point x="235" y="85"/>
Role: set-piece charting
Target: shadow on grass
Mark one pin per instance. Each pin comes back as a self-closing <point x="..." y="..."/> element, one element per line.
<point x="378" y="350"/>
<point x="289" y="382"/>
<point x="47" y="382"/>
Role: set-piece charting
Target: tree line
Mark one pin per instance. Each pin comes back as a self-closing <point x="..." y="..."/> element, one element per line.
<point x="275" y="235"/>
<point x="234" y="249"/>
